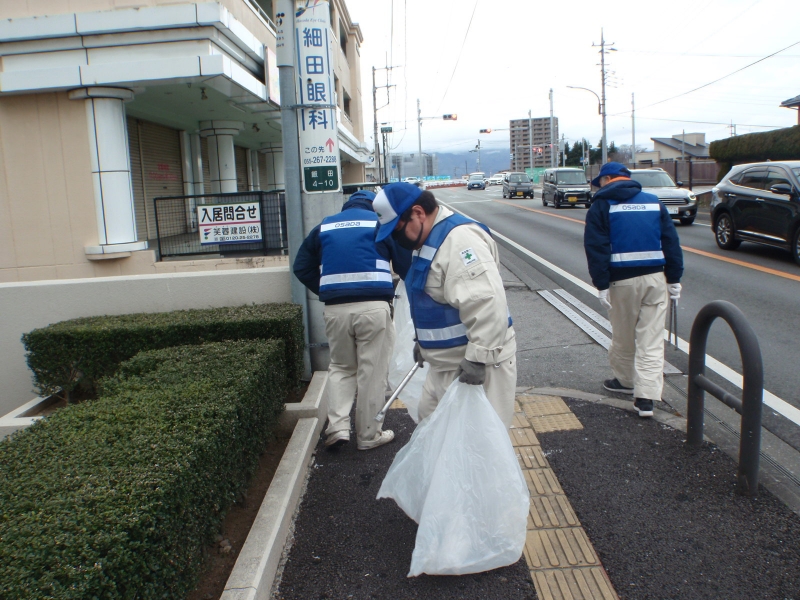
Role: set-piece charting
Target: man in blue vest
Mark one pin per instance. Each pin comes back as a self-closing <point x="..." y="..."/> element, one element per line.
<point x="636" y="263"/>
<point x="341" y="263"/>
<point x="456" y="294"/>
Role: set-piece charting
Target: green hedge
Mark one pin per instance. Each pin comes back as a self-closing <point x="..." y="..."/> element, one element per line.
<point x="779" y="144"/>
<point x="116" y="498"/>
<point x="77" y="353"/>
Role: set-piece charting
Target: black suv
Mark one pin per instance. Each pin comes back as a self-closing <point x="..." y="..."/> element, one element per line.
<point x="566" y="186"/>
<point x="760" y="203"/>
<point x="517" y="184"/>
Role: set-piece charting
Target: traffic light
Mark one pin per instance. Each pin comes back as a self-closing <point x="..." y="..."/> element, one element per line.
<point x="486" y="131"/>
<point x="450" y="117"/>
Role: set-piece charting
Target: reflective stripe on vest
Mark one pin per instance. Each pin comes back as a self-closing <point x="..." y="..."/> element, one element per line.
<point x="351" y="264"/>
<point x="635" y="232"/>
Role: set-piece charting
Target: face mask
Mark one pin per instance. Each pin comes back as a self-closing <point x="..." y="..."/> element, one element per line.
<point x="399" y="236"/>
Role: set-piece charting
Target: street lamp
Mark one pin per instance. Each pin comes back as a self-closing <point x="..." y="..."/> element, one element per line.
<point x="600" y="111"/>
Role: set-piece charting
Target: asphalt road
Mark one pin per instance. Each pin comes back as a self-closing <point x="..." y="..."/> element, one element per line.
<point x="763" y="282"/>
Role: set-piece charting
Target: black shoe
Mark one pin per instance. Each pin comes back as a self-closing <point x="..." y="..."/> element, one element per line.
<point x="644" y="406"/>
<point x="613" y="385"/>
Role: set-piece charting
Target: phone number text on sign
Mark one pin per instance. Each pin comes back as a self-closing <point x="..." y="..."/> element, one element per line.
<point x="229" y="223"/>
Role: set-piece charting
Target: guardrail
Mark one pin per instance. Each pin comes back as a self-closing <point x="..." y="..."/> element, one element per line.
<point x="749" y="406"/>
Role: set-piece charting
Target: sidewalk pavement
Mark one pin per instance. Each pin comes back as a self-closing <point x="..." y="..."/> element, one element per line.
<point x="620" y="508"/>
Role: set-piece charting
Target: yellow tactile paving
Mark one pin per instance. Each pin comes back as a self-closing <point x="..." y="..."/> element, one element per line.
<point x="531" y="457"/>
<point x="562" y="560"/>
<point x="587" y="583"/>
<point x="397" y="404"/>
<point x="550" y="423"/>
<point x="539" y="408"/>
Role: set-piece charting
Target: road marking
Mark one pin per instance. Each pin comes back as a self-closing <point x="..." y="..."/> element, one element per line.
<point x="541" y="212"/>
<point x="733" y="261"/>
<point x="469" y="201"/>
<point x="774" y="402"/>
<point x="742" y="263"/>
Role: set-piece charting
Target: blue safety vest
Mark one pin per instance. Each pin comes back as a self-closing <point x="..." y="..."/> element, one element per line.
<point x="437" y="325"/>
<point x="635" y="234"/>
<point x="351" y="264"/>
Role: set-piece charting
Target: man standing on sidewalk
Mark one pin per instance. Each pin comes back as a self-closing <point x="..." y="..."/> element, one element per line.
<point x="636" y="263"/>
<point x="341" y="263"/>
<point x="457" y="299"/>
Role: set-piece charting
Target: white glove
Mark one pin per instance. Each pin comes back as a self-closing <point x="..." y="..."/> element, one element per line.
<point x="674" y="290"/>
<point x="603" y="295"/>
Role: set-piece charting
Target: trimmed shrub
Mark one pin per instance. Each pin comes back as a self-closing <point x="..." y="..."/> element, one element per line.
<point x="779" y="144"/>
<point x="116" y="498"/>
<point x="78" y="352"/>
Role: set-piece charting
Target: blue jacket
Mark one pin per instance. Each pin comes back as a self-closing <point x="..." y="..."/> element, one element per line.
<point x="602" y="231"/>
<point x="308" y="261"/>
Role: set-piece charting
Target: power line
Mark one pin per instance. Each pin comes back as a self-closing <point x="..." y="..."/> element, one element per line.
<point x="711" y="122"/>
<point x="474" y="8"/>
<point x="713" y="82"/>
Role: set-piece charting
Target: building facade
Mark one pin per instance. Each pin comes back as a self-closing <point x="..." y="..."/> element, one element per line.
<point x="408" y="165"/>
<point x="106" y="105"/>
<point x="535" y="132"/>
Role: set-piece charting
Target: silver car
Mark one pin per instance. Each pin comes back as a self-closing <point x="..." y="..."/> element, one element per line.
<point x="681" y="203"/>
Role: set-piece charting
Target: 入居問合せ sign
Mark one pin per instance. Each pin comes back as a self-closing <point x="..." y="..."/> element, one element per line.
<point x="229" y="223"/>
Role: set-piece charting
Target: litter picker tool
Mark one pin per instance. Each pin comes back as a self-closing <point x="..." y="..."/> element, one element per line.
<point x="672" y="330"/>
<point x="380" y="416"/>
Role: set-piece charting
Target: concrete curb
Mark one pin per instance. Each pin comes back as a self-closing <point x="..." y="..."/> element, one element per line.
<point x="254" y="572"/>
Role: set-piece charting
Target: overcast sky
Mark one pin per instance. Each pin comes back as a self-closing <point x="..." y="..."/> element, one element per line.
<point x="493" y="60"/>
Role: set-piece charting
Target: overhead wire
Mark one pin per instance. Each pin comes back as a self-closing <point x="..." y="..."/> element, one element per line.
<point x="458" y="58"/>
<point x="705" y="85"/>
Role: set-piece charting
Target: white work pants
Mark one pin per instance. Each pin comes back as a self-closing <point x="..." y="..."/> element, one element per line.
<point x="637" y="314"/>
<point x="500" y="386"/>
<point x="360" y="337"/>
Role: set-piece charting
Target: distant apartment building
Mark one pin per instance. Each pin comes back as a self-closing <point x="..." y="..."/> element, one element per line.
<point x="408" y="165"/>
<point x="532" y="132"/>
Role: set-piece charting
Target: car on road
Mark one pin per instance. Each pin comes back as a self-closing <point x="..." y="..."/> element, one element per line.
<point x="566" y="186"/>
<point x="476" y="182"/>
<point x="517" y="184"/>
<point x="496" y="179"/>
<point x="411" y="179"/>
<point x="760" y="203"/>
<point x="681" y="203"/>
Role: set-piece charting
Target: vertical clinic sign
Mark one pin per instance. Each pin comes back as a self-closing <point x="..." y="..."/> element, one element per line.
<point x="319" y="146"/>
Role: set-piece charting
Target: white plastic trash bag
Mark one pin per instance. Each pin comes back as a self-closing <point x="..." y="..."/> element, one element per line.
<point x="403" y="357"/>
<point x="459" y="479"/>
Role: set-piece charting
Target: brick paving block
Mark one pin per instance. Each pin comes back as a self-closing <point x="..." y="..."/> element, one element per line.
<point x="589" y="583"/>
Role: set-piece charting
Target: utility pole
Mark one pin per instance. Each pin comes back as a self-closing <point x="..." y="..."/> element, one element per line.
<point x="561" y="149"/>
<point x="375" y="128"/>
<point x="419" y="140"/>
<point x="633" y="133"/>
<point x="530" y="139"/>
<point x="683" y="145"/>
<point x="478" y="147"/>
<point x="375" y="117"/>
<point x="552" y="132"/>
<point x="291" y="160"/>
<point x="604" y="142"/>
